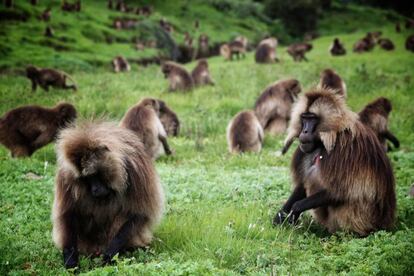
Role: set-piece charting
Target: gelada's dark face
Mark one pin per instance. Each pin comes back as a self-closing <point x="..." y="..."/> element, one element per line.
<point x="97" y="187"/>
<point x="308" y="137"/>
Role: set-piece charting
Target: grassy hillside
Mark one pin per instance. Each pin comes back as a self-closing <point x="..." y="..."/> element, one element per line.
<point x="87" y="40"/>
<point x="219" y="207"/>
<point x="80" y="40"/>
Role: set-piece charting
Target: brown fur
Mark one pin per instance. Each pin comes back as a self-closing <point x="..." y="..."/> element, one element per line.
<point x="337" y="49"/>
<point x="49" y="32"/>
<point x="121" y="162"/>
<point x="234" y="48"/>
<point x="225" y="51"/>
<point x="203" y="50"/>
<point x="244" y="133"/>
<point x="409" y="23"/>
<point x="386" y="44"/>
<point x="71" y="7"/>
<point x="409" y="43"/>
<point x="26" y="129"/>
<point x="275" y="103"/>
<point x="120" y="64"/>
<point x="46" y="14"/>
<point x="365" y="44"/>
<point x="330" y="79"/>
<point x="201" y="74"/>
<point x="178" y="76"/>
<point x="169" y="119"/>
<point x="266" y="51"/>
<point x="45" y="77"/>
<point x="143" y="119"/>
<point x="298" y="50"/>
<point x="350" y="165"/>
<point x="375" y="115"/>
<point x="166" y="26"/>
<point x="398" y="27"/>
<point x="144" y="10"/>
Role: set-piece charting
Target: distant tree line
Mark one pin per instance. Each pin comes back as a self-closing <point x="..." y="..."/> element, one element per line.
<point x="404" y="7"/>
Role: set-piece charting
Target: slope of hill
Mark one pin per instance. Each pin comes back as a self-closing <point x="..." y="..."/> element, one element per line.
<point x="87" y="40"/>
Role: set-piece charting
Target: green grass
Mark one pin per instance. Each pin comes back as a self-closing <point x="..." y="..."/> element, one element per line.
<point x="219" y="207"/>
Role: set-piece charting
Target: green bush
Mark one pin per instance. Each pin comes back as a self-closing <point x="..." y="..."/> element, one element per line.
<point x="299" y="17"/>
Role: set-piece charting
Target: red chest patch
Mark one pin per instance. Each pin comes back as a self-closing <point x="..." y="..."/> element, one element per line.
<point x="317" y="160"/>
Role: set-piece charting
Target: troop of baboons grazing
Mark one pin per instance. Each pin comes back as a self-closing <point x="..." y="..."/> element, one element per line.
<point x="108" y="196"/>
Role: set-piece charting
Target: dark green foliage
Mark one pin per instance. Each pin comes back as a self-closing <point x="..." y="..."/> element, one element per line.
<point x="299" y="17"/>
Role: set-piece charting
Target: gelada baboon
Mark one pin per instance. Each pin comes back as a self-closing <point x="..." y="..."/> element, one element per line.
<point x="201" y="74"/>
<point x="409" y="43"/>
<point x="26" y="129"/>
<point x="178" y="76"/>
<point x="337" y="49"/>
<point x="203" y="50"/>
<point x="398" y="27"/>
<point x="169" y="119"/>
<point x="375" y="115"/>
<point x="45" y="77"/>
<point x="120" y="64"/>
<point x="386" y="44"/>
<point x="365" y="44"/>
<point x="46" y="14"/>
<point x="330" y="79"/>
<point x="266" y="51"/>
<point x="234" y="48"/>
<point x="49" y="32"/>
<point x="298" y="50"/>
<point x="273" y="106"/>
<point x="339" y="170"/>
<point x="71" y="7"/>
<point x="244" y="133"/>
<point x="409" y="23"/>
<point x="237" y="47"/>
<point x="107" y="193"/>
<point x="143" y="119"/>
